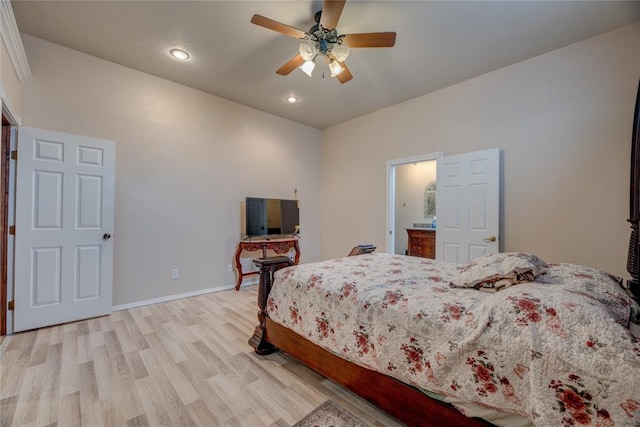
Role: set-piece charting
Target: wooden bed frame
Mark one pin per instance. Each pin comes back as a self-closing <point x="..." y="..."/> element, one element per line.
<point x="398" y="399"/>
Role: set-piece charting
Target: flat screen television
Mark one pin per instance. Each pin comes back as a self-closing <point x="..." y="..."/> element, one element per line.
<point x="271" y="217"/>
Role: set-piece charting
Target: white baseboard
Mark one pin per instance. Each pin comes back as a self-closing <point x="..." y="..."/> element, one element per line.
<point x="180" y="296"/>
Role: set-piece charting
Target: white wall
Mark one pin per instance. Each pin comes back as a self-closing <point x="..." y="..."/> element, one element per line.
<point x="185" y="162"/>
<point x="563" y="122"/>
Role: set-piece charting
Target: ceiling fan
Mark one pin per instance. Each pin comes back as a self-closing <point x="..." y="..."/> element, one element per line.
<point x="323" y="40"/>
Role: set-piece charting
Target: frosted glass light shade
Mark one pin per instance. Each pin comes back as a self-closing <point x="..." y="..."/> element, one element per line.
<point x="341" y="51"/>
<point x="335" y="68"/>
<point x="308" y="50"/>
<point x="308" y="67"/>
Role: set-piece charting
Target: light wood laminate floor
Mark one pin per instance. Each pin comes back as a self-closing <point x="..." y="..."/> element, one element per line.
<point x="179" y="363"/>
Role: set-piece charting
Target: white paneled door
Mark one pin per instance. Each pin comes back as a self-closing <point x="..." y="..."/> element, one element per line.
<point x="468" y="205"/>
<point x="64" y="221"/>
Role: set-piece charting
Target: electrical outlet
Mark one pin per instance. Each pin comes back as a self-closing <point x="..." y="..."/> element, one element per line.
<point x="229" y="267"/>
<point x="175" y="274"/>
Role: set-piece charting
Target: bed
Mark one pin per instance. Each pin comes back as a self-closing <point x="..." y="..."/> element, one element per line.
<point x="508" y="338"/>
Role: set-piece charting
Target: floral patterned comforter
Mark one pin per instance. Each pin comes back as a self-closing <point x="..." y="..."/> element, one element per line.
<point x="557" y="350"/>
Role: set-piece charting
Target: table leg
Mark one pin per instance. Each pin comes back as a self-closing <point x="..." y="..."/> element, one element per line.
<point x="238" y="267"/>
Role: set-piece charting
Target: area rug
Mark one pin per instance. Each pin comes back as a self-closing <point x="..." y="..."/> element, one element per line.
<point x="330" y="414"/>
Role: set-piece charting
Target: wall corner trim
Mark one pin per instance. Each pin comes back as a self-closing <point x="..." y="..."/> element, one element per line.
<point x="13" y="42"/>
<point x="7" y="109"/>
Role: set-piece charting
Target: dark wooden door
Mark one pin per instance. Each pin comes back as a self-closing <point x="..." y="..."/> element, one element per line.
<point x="4" y="227"/>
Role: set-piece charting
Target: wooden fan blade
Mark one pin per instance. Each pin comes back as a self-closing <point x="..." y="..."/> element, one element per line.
<point x="294" y="63"/>
<point x="371" y="39"/>
<point x="331" y="11"/>
<point x="278" y="26"/>
<point x="345" y="75"/>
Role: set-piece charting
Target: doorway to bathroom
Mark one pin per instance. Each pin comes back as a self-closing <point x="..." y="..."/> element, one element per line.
<point x="411" y="196"/>
<point x="467" y="199"/>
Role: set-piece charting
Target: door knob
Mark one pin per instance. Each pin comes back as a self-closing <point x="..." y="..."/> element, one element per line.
<point x="106" y="236"/>
<point x="489" y="239"/>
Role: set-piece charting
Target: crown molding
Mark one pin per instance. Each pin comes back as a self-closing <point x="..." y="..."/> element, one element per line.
<point x="13" y="42"/>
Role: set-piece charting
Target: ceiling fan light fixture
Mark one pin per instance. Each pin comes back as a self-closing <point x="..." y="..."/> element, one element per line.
<point x="335" y="68"/>
<point x="308" y="67"/>
<point x="323" y="39"/>
<point x="308" y="50"/>
<point x="341" y="51"/>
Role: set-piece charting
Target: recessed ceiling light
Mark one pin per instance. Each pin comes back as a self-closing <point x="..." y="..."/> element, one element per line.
<point x="292" y="99"/>
<point x="180" y="54"/>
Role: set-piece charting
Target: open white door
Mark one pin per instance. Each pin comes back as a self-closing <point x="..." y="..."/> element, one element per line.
<point x="468" y="205"/>
<point x="64" y="221"/>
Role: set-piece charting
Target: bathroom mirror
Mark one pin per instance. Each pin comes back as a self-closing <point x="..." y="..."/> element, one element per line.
<point x="430" y="200"/>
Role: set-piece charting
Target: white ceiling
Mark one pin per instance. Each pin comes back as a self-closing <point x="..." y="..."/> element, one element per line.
<point x="439" y="43"/>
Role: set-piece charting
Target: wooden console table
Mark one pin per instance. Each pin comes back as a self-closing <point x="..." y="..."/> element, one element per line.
<point x="280" y="246"/>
